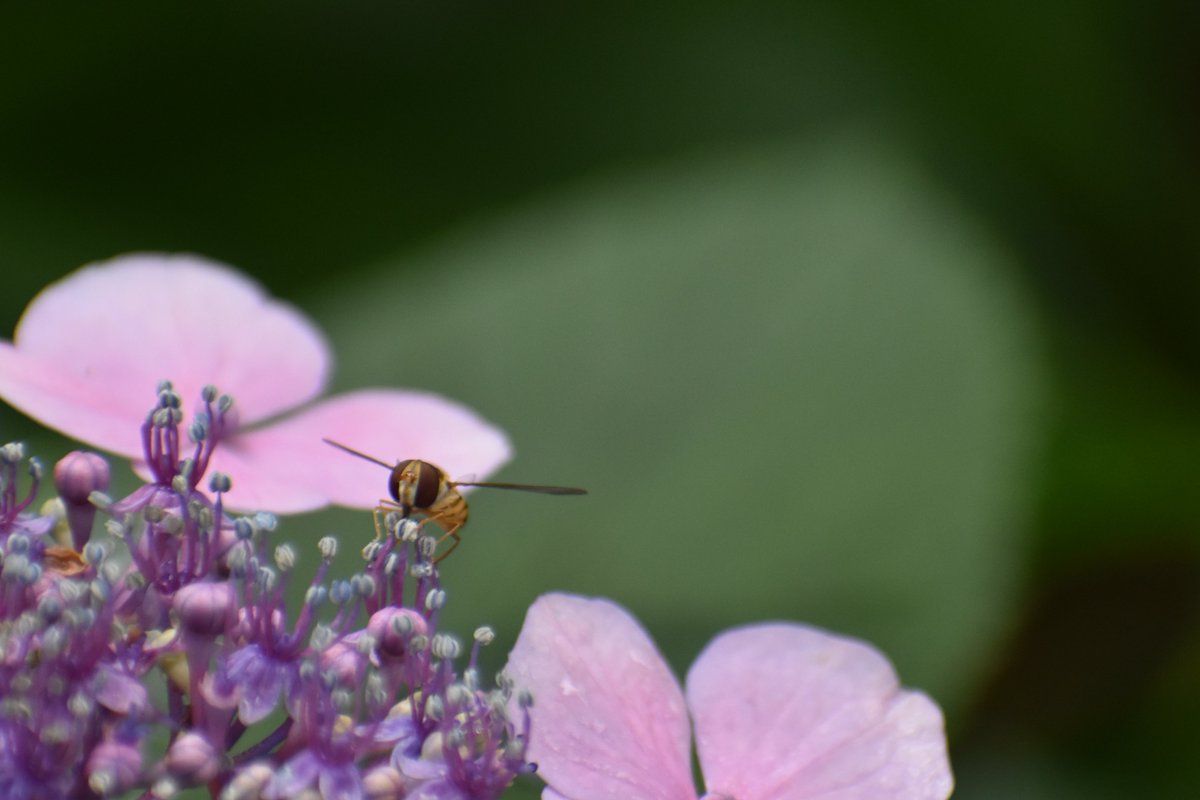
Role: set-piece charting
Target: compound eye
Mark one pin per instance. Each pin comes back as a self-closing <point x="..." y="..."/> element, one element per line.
<point x="429" y="481"/>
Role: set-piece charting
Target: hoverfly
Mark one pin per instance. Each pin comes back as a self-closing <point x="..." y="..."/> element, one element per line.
<point x="418" y="487"/>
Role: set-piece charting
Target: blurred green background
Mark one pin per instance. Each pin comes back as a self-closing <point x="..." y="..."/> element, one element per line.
<point x="882" y="318"/>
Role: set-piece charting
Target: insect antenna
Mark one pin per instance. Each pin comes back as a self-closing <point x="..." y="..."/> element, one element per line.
<point x="525" y="487"/>
<point x="358" y="453"/>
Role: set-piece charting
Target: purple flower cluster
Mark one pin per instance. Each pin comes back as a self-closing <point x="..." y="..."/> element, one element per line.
<point x="158" y="652"/>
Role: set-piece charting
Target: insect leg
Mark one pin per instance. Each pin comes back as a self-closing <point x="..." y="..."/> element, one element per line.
<point x="380" y="510"/>
<point x="452" y="532"/>
<point x="384" y="508"/>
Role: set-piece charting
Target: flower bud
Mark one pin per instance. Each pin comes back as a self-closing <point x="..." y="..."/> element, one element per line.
<point x="383" y="783"/>
<point x="193" y="759"/>
<point x="113" y="768"/>
<point x="205" y="608"/>
<point x="345" y="663"/>
<point x="76" y="476"/>
<point x="393" y="629"/>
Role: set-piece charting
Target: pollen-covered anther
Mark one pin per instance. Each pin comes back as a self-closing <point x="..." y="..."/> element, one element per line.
<point x="167" y="396"/>
<point x="435" y="599"/>
<point x="315" y="596"/>
<point x="94" y="553"/>
<point x="161" y="418"/>
<point x="81" y="705"/>
<point x="220" y="482"/>
<point x="363" y="585"/>
<point x="12" y="453"/>
<point x="285" y="557"/>
<point x="375" y="692"/>
<point x="243" y="528"/>
<point x="198" y="430"/>
<point x="341" y="592"/>
<point x="49" y="608"/>
<point x="322" y="637"/>
<point x="343" y="700"/>
<point x="54" y="641"/>
<point x="328" y="547"/>
<point x="237" y="562"/>
<point x="458" y="695"/>
<point x="426" y="546"/>
<point x="100" y="590"/>
<point x="266" y="578"/>
<point x="371" y="549"/>
<point x="407" y="530"/>
<point x="445" y="647"/>
<point x="16" y="568"/>
<point x="497" y="702"/>
<point x="435" y="707"/>
<point x="307" y="671"/>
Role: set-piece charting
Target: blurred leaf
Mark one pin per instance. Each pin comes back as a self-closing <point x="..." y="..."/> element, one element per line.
<point x="792" y="379"/>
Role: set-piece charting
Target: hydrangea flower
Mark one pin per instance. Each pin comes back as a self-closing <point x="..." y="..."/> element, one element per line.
<point x="781" y="711"/>
<point x="358" y="695"/>
<point x="90" y="347"/>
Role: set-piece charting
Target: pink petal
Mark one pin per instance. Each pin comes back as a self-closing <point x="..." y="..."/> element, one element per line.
<point x="286" y="467"/>
<point x="91" y="348"/>
<point x="257" y="486"/>
<point x="784" y="712"/>
<point x="608" y="716"/>
<point x="57" y="399"/>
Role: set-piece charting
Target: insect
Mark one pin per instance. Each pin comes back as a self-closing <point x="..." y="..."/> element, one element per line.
<point x="418" y="487"/>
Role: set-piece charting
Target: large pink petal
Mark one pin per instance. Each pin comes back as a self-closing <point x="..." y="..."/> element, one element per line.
<point x="94" y="346"/>
<point x="289" y="455"/>
<point x="785" y="712"/>
<point x="71" y="404"/>
<point x="609" y="721"/>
